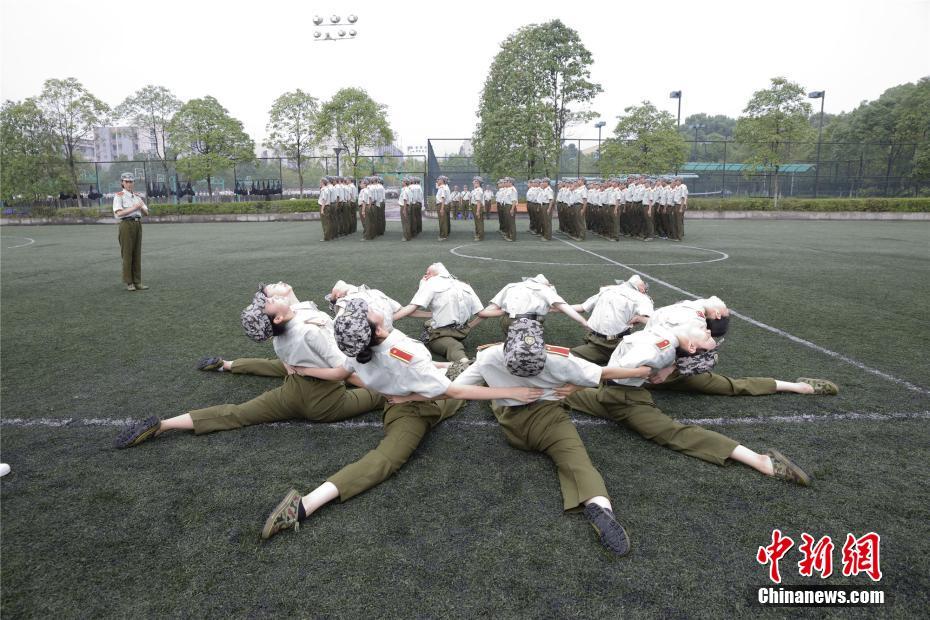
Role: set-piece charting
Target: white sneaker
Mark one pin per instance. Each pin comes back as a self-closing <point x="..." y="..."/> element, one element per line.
<point x="4" y="469"/>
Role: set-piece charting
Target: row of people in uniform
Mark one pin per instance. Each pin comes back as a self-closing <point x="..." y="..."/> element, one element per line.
<point x="338" y="202"/>
<point x="337" y="367"/>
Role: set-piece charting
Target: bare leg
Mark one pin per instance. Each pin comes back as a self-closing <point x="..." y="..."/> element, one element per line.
<point x="797" y="388"/>
<point x="182" y="422"/>
<point x="319" y="497"/>
<point x="759" y="462"/>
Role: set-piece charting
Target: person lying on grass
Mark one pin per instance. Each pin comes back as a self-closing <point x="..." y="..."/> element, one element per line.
<point x="387" y="361"/>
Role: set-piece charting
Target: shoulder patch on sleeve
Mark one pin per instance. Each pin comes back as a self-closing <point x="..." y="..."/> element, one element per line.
<point x="563" y="351"/>
<point x="400" y="354"/>
<point x="119" y="193"/>
<point x="663" y="344"/>
<point x="700" y="313"/>
<point x="482" y="347"/>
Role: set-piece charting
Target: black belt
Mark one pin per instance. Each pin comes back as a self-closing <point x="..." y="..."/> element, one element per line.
<point x="529" y="315"/>
<point x="606" y="337"/>
<point x="451" y="326"/>
<point x="130" y="219"/>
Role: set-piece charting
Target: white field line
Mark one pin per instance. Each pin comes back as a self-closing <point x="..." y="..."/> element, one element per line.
<point x="842" y="416"/>
<point x="807" y="343"/>
<point x="722" y="256"/>
<point x="29" y="241"/>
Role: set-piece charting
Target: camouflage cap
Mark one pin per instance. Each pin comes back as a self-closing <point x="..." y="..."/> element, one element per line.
<point x="353" y="332"/>
<point x="255" y="322"/>
<point x="127" y="176"/>
<point x="525" y="349"/>
<point x="696" y="364"/>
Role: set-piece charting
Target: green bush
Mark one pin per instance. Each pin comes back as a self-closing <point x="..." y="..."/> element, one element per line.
<point x="905" y="205"/>
<point x="264" y="206"/>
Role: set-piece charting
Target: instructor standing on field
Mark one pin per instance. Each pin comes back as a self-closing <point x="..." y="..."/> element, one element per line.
<point x="129" y="209"/>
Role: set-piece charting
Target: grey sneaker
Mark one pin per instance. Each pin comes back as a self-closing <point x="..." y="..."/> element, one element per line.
<point x="137" y="433"/>
<point x="210" y="363"/>
<point x="784" y="468"/>
<point x="611" y="534"/>
<point x="283" y="516"/>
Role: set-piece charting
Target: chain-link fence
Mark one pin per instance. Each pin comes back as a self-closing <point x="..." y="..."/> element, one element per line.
<point x="711" y="167"/>
<point x="264" y="178"/>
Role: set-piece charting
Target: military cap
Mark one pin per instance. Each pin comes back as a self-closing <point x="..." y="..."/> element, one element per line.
<point x="352" y="329"/>
<point x="525" y="349"/>
<point x="255" y="322"/>
<point x="696" y="364"/>
<point x="127" y="176"/>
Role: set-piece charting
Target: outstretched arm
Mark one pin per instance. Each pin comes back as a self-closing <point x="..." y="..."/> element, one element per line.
<point x="493" y="310"/>
<point x="571" y="312"/>
<point x="326" y="374"/>
<point x="411" y="310"/>
<point x="480" y="392"/>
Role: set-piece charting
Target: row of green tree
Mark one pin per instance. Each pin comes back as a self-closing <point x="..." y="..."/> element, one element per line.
<point x="40" y="136"/>
<point x="540" y="84"/>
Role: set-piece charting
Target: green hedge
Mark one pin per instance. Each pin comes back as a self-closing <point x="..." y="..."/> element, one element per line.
<point x="908" y="205"/>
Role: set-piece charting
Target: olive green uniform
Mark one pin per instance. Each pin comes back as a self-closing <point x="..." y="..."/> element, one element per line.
<point x="446" y="341"/>
<point x="635" y="408"/>
<point x="298" y="397"/>
<point x="543" y="425"/>
<point x="712" y="383"/>
<point x="405" y="425"/>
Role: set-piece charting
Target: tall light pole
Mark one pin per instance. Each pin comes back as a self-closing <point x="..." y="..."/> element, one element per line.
<point x="676" y="94"/>
<point x="338" y="150"/>
<point x="695" y="127"/>
<point x="599" y="125"/>
<point x="822" y="95"/>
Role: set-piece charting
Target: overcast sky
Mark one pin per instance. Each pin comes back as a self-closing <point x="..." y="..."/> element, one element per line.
<point x="427" y="61"/>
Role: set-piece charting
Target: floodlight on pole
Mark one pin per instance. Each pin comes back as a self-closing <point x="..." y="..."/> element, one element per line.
<point x="822" y="95"/>
<point x="676" y="94"/>
<point x="335" y="21"/>
<point x="599" y="125"/>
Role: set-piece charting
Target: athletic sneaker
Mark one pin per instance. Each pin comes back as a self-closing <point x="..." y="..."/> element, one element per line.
<point x="210" y="363"/>
<point x="611" y="534"/>
<point x="785" y="469"/>
<point x="283" y="516"/>
<point x="137" y="433"/>
<point x="821" y="386"/>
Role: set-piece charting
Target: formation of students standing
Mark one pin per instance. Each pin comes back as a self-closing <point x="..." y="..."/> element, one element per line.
<point x="337" y="367"/>
<point x="636" y="207"/>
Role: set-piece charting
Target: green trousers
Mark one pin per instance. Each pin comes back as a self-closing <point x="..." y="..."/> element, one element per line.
<point x="546" y="221"/>
<point x="506" y="322"/>
<point x="447" y="342"/>
<point x="406" y="221"/>
<point x="719" y="385"/>
<point x="130" y="249"/>
<point x="635" y="408"/>
<point x="545" y="427"/>
<point x="444" y="222"/>
<point x="258" y="366"/>
<point x="326" y="221"/>
<point x="597" y="349"/>
<point x="297" y="397"/>
<point x="479" y="224"/>
<point x="405" y="425"/>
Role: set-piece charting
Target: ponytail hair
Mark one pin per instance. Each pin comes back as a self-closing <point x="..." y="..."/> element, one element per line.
<point x="364" y="356"/>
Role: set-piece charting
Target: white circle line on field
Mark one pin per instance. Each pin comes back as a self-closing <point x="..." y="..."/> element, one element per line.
<point x="29" y="241"/>
<point x="722" y="256"/>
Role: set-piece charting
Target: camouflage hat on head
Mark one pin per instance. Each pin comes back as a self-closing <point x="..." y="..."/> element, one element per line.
<point x="255" y="322"/>
<point x="353" y="332"/>
<point x="525" y="349"/>
<point x="127" y="176"/>
<point x="696" y="364"/>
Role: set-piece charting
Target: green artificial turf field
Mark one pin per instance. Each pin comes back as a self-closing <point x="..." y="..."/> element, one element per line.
<point x="470" y="526"/>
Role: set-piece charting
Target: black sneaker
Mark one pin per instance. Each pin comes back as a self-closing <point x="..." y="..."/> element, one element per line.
<point x="611" y="534"/>
<point x="210" y="363"/>
<point x="137" y="433"/>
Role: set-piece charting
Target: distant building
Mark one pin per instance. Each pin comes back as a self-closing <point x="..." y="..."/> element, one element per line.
<point x="112" y="143"/>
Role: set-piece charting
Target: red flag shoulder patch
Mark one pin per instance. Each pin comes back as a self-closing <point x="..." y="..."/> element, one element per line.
<point x="119" y="193"/>
<point x="400" y="354"/>
<point x="563" y="351"/>
<point x="700" y="313"/>
<point x="663" y="344"/>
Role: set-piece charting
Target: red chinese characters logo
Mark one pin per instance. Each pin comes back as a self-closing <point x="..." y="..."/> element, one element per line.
<point x="773" y="553"/>
<point x="817" y="557"/>
<point x="860" y="555"/>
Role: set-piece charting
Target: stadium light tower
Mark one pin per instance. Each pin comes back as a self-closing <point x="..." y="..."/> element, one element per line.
<point x="335" y="21"/>
<point x="676" y="94"/>
<point x="822" y="95"/>
<point x="599" y="125"/>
